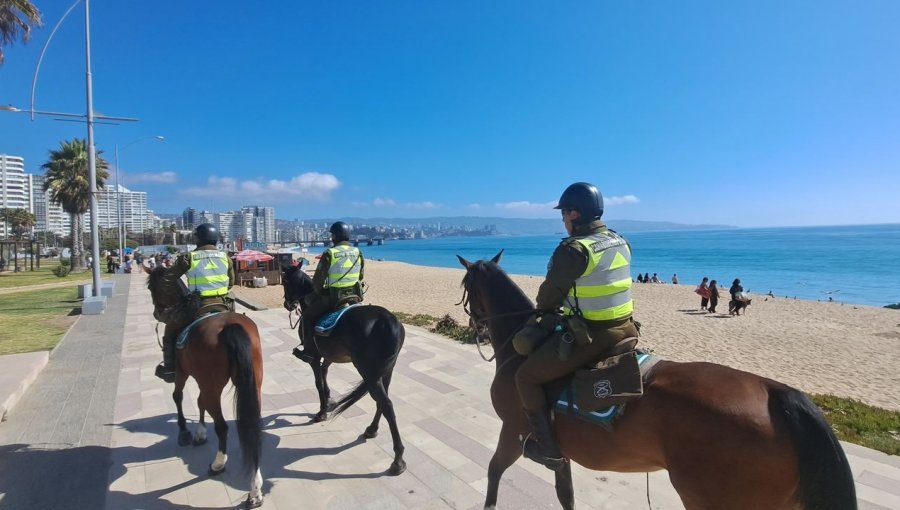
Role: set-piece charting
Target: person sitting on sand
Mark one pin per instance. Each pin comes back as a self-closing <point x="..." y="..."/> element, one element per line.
<point x="674" y="279"/>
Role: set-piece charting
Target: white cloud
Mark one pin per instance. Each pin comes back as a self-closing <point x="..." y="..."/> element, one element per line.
<point x="422" y="205"/>
<point x="157" y="177"/>
<point x="624" y="199"/>
<point x="525" y="206"/>
<point x="381" y="202"/>
<point x="309" y="186"/>
<point x="474" y="206"/>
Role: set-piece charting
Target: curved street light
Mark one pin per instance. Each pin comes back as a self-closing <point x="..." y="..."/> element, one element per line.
<point x="122" y="231"/>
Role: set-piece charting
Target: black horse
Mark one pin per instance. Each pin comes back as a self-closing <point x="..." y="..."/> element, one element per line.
<point x="368" y="336"/>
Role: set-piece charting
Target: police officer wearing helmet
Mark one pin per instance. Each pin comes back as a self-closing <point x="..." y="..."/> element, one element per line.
<point x="210" y="276"/>
<point x="589" y="278"/>
<point x="337" y="281"/>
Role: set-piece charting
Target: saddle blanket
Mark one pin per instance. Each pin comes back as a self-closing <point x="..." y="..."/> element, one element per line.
<point x="604" y="417"/>
<point x="181" y="341"/>
<point x="327" y="323"/>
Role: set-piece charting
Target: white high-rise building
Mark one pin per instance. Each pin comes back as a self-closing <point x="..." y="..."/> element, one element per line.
<point x="15" y="186"/>
<point x="134" y="215"/>
<point x="261" y="221"/>
<point x="50" y="215"/>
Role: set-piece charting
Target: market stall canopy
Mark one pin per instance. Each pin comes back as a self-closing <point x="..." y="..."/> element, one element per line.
<point x="252" y="256"/>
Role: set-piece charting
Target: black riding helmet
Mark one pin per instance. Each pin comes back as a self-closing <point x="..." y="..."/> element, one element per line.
<point x="584" y="198"/>
<point x="206" y="233"/>
<point x="340" y="231"/>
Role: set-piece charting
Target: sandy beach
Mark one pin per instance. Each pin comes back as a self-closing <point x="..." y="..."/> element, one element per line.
<point x="819" y="347"/>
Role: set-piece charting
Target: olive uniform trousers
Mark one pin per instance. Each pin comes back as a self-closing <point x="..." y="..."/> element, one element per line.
<point x="544" y="365"/>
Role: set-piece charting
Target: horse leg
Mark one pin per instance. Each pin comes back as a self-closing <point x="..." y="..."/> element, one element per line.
<point x="386" y="407"/>
<point x="372" y="430"/>
<point x="200" y="433"/>
<point x="320" y="370"/>
<point x="215" y="411"/>
<point x="508" y="451"/>
<point x="329" y="402"/>
<point x="184" y="437"/>
<point x="565" y="492"/>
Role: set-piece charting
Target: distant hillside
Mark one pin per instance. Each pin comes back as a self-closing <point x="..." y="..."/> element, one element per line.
<point x="517" y="226"/>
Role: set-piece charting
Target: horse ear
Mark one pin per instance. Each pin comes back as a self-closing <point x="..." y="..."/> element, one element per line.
<point x="466" y="264"/>
<point x="497" y="257"/>
<point x="285" y="268"/>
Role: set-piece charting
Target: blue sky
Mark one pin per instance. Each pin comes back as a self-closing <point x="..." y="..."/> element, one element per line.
<point x="763" y="114"/>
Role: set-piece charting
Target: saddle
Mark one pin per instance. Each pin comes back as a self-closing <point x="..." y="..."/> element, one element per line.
<point x="327" y="323"/>
<point x="598" y="392"/>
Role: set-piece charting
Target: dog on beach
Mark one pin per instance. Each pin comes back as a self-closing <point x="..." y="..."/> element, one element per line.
<point x="735" y="307"/>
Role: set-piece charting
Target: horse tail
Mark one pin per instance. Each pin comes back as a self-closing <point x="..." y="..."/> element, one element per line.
<point x="247" y="413"/>
<point x="825" y="479"/>
<point x="391" y="332"/>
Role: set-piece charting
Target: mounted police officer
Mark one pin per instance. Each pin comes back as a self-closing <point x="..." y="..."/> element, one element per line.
<point x="589" y="278"/>
<point x="337" y="281"/>
<point x="210" y="276"/>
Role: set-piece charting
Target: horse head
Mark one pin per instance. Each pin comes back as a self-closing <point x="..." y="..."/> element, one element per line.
<point x="296" y="284"/>
<point x="164" y="292"/>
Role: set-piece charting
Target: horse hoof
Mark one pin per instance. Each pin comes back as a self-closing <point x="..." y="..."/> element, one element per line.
<point x="320" y="416"/>
<point x="198" y="441"/>
<point x="331" y="405"/>
<point x="253" y="502"/>
<point x="398" y="467"/>
<point x="213" y="472"/>
<point x="184" y="438"/>
<point x="370" y="433"/>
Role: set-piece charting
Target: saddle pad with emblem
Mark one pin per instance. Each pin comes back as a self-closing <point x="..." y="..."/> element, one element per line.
<point x="182" y="339"/>
<point x="327" y="323"/>
<point x="604" y="417"/>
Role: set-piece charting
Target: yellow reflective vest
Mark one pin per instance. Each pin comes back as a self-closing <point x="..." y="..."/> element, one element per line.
<point x="603" y="291"/>
<point x="208" y="275"/>
<point x="345" y="266"/>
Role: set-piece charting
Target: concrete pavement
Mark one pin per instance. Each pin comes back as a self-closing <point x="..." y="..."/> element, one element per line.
<point x="97" y="430"/>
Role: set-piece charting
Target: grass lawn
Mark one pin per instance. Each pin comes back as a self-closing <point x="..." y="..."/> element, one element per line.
<point x="36" y="320"/>
<point x="862" y="424"/>
<point x="39" y="276"/>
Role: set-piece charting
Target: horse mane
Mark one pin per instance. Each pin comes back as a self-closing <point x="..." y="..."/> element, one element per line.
<point x="160" y="288"/>
<point x="497" y="285"/>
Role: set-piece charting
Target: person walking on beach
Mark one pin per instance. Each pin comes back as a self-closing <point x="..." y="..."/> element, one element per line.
<point x="338" y="279"/>
<point x="737" y="297"/>
<point x="589" y="277"/>
<point x="210" y="276"/>
<point x="713" y="296"/>
<point x="703" y="290"/>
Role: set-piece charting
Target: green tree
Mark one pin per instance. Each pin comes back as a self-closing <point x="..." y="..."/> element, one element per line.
<point x="67" y="181"/>
<point x="19" y="221"/>
<point x="17" y="17"/>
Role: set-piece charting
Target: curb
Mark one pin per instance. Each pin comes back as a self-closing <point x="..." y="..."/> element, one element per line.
<point x="19" y="371"/>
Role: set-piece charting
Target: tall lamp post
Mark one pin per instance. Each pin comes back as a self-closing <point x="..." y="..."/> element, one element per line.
<point x="119" y="218"/>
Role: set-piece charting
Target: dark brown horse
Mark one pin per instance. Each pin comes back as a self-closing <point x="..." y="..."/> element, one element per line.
<point x="368" y="336"/>
<point x="729" y="439"/>
<point x="222" y="347"/>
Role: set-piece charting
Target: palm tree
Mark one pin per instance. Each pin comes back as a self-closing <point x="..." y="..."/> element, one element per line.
<point x="19" y="220"/>
<point x="67" y="181"/>
<point x="16" y="16"/>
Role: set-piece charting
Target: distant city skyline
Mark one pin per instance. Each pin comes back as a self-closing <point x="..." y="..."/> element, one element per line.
<point x="770" y="114"/>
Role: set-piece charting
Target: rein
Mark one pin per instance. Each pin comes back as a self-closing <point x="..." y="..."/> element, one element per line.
<point x="480" y="325"/>
<point x="299" y="317"/>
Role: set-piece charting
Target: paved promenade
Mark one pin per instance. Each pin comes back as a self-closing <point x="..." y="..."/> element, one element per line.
<point x="97" y="430"/>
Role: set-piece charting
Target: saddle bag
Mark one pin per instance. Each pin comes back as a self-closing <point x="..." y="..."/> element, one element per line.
<point x="613" y="381"/>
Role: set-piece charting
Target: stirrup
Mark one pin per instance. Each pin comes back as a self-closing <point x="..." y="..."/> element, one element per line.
<point x="165" y="373"/>
<point x="531" y="450"/>
<point x="303" y="355"/>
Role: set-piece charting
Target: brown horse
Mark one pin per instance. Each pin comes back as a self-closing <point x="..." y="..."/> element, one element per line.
<point x="368" y="336"/>
<point x="220" y="348"/>
<point x="729" y="439"/>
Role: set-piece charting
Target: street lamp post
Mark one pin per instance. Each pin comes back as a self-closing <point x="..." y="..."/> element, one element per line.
<point x="119" y="218"/>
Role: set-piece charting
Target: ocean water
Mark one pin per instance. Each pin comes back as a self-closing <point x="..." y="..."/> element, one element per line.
<point x="851" y="264"/>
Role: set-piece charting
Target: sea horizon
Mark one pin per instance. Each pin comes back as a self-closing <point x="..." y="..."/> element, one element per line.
<point x="848" y="263"/>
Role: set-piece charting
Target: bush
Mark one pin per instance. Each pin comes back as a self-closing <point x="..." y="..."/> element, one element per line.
<point x="65" y="262"/>
<point x="448" y="326"/>
<point x="62" y="270"/>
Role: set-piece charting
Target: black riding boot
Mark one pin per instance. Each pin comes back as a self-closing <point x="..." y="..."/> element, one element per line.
<point x="541" y="446"/>
<point x="166" y="369"/>
<point x="305" y="355"/>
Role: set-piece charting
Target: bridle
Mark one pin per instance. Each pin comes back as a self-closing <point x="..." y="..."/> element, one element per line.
<point x="480" y="325"/>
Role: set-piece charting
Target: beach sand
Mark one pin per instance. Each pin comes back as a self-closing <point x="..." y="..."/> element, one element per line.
<point x="841" y="349"/>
